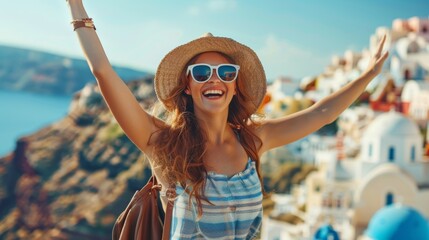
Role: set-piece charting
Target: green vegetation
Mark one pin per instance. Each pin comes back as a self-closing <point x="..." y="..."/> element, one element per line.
<point x="111" y="132"/>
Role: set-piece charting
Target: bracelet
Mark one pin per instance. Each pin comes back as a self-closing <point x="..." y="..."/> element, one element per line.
<point x="84" y="22"/>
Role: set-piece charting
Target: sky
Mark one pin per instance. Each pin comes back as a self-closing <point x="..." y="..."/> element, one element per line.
<point x="292" y="38"/>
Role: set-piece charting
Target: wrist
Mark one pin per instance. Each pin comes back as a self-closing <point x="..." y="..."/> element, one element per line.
<point x="84" y="22"/>
<point x="369" y="74"/>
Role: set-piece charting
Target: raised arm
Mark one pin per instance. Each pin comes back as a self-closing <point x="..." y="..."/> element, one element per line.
<point x="281" y="131"/>
<point x="136" y="123"/>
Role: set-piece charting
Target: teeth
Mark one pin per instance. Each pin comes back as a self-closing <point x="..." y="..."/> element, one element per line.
<point x="219" y="92"/>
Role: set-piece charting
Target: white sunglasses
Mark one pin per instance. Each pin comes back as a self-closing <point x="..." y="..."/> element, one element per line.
<point x="202" y="72"/>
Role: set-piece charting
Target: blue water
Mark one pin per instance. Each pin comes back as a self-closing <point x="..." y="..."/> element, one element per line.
<point x="23" y="113"/>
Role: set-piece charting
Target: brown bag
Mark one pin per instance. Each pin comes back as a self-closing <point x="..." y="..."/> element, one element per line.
<point x="143" y="218"/>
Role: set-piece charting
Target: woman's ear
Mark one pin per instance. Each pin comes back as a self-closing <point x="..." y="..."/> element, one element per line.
<point x="187" y="91"/>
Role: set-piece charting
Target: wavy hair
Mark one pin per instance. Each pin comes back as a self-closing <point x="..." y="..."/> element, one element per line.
<point x="184" y="165"/>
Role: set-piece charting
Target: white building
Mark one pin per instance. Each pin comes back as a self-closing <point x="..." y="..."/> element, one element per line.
<point x="346" y="193"/>
<point x="415" y="99"/>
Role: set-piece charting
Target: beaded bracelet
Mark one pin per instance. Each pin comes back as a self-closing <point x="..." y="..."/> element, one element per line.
<point x="84" y="22"/>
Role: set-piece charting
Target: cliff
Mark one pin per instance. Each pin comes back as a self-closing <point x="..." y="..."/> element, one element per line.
<point x="71" y="180"/>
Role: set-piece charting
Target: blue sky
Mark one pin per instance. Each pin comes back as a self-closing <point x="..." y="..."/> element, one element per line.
<point x="292" y="38"/>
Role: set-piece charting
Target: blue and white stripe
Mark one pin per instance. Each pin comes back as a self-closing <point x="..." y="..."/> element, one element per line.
<point x="236" y="213"/>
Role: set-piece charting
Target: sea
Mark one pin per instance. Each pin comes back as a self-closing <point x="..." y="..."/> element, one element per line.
<point x="23" y="113"/>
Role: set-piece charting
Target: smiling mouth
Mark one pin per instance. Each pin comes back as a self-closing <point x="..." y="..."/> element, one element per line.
<point x="213" y="94"/>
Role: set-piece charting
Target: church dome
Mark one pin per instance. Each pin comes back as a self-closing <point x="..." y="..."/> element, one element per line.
<point x="398" y="222"/>
<point x="326" y="232"/>
<point x="391" y="124"/>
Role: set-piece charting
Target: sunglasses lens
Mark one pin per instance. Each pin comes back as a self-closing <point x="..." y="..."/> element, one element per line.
<point x="201" y="73"/>
<point x="227" y="73"/>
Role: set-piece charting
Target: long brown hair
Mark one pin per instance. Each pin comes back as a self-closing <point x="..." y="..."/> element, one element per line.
<point x="179" y="146"/>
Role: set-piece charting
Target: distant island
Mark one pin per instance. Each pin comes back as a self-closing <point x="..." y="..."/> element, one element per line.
<point x="46" y="73"/>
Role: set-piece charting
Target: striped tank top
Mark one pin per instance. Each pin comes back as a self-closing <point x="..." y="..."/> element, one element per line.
<point x="236" y="212"/>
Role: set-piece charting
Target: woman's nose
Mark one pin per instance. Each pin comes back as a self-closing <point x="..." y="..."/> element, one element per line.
<point x="214" y="77"/>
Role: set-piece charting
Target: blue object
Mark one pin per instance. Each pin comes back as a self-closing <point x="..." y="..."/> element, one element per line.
<point x="398" y="222"/>
<point x="390" y="199"/>
<point x="326" y="232"/>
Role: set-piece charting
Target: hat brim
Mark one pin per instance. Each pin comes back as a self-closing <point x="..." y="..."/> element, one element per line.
<point x="167" y="76"/>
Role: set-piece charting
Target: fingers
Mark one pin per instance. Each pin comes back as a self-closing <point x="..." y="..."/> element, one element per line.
<point x="380" y="46"/>
<point x="384" y="57"/>
<point x="379" y="63"/>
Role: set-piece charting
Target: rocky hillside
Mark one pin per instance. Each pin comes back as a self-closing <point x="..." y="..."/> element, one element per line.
<point x="40" y="72"/>
<point x="71" y="179"/>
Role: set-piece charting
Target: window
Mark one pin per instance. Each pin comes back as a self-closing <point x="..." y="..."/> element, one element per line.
<point x="413" y="47"/>
<point x="407" y="74"/>
<point x="391" y="154"/>
<point x="283" y="106"/>
<point x="339" y="201"/>
<point x="389" y="198"/>
<point x="413" y="153"/>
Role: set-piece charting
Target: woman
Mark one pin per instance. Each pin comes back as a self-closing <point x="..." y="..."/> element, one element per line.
<point x="210" y="145"/>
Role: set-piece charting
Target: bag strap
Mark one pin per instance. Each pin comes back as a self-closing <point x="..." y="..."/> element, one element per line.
<point x="171" y="194"/>
<point x="168" y="217"/>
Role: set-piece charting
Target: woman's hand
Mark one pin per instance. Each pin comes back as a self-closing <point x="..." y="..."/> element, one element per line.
<point x="377" y="60"/>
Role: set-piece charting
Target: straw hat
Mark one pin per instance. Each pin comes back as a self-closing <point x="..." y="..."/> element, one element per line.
<point x="167" y="76"/>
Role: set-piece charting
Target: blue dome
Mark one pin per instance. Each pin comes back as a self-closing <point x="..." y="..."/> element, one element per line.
<point x="326" y="232"/>
<point x="398" y="222"/>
